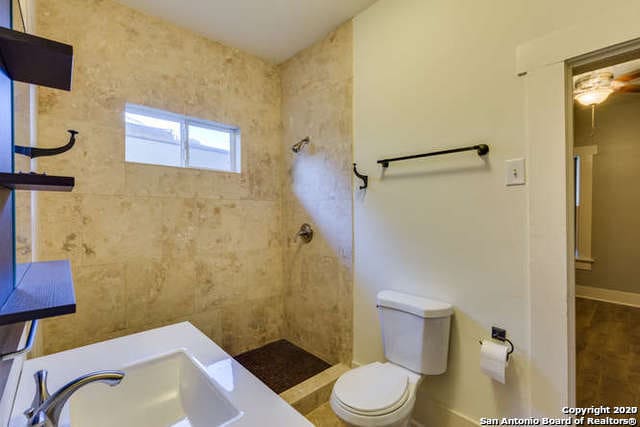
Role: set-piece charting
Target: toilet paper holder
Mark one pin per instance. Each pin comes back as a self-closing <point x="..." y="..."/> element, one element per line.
<point x="501" y="335"/>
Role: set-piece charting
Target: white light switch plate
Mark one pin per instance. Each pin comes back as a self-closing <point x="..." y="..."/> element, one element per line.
<point x="514" y="172"/>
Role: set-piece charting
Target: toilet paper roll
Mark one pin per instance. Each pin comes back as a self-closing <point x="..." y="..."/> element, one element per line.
<point x="493" y="359"/>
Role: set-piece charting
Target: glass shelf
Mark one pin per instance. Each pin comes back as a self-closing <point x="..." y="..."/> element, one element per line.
<point x="44" y="289"/>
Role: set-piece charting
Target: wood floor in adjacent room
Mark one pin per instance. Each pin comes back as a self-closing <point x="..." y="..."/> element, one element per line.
<point x="608" y="354"/>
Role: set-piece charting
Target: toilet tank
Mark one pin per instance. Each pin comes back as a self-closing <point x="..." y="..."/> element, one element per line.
<point x="415" y="331"/>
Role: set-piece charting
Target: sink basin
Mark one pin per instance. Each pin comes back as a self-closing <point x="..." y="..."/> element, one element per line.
<point x="170" y="390"/>
<point x="175" y="376"/>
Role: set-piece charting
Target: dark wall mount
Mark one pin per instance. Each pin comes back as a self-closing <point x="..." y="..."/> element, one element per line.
<point x="500" y="334"/>
<point x="364" y="178"/>
<point x="34" y="152"/>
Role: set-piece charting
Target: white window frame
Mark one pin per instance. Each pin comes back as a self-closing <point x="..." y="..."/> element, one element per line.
<point x="584" y="204"/>
<point x="185" y="122"/>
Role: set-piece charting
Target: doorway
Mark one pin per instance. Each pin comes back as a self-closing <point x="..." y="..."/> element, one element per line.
<point x="606" y="199"/>
<point x="546" y="66"/>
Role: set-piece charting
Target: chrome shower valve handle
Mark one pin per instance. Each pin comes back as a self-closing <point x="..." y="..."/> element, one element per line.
<point x="305" y="233"/>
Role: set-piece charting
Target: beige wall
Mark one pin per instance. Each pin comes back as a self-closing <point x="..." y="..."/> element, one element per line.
<point x="24" y="110"/>
<point x="438" y="74"/>
<point x="316" y="102"/>
<point x="154" y="245"/>
<point x="616" y="189"/>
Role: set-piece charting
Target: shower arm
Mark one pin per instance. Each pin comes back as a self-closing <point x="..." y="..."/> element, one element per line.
<point x="298" y="146"/>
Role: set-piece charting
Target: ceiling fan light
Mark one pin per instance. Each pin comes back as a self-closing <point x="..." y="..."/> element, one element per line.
<point x="593" y="96"/>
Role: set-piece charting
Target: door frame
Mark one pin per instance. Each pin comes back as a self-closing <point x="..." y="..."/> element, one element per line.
<point x="546" y="66"/>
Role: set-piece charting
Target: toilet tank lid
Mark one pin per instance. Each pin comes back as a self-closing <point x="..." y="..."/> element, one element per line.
<point x="420" y="306"/>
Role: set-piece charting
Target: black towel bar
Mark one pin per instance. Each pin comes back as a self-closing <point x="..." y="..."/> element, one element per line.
<point x="482" y="149"/>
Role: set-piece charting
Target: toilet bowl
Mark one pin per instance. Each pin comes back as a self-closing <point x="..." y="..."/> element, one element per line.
<point x="415" y="335"/>
<point x="375" y="395"/>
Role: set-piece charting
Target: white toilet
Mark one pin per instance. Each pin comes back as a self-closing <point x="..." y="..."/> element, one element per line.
<point x="415" y="333"/>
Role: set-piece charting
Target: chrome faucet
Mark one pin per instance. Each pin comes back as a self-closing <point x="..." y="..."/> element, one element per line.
<point x="46" y="409"/>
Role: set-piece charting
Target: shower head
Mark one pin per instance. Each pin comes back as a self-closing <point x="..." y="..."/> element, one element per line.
<point x="297" y="147"/>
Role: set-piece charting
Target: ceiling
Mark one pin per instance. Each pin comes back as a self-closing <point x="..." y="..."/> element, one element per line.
<point x="271" y="29"/>
<point x="616" y="69"/>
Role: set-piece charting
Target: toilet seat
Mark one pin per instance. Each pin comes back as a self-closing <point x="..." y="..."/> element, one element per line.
<point x="372" y="390"/>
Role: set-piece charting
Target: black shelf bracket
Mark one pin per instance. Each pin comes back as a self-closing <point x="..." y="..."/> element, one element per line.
<point x="482" y="149"/>
<point x="34" y="152"/>
<point x="364" y="178"/>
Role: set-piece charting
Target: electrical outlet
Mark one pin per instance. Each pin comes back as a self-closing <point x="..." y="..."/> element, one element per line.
<point x="514" y="172"/>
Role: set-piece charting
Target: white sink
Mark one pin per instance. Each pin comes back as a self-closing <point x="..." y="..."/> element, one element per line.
<point x="172" y="390"/>
<point x="174" y="376"/>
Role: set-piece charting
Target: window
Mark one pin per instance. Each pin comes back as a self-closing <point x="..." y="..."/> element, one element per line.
<point x="583" y="174"/>
<point x="161" y="138"/>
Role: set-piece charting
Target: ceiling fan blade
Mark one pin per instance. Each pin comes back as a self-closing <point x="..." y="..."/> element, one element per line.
<point x="629" y="88"/>
<point x="627" y="77"/>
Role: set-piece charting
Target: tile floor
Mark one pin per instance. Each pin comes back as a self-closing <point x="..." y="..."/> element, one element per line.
<point x="608" y="354"/>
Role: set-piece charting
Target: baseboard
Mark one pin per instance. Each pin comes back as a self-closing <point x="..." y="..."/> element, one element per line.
<point x="429" y="413"/>
<point x="458" y="419"/>
<point x="608" y="295"/>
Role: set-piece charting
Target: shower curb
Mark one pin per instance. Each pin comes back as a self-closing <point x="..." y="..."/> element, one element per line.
<point x="314" y="392"/>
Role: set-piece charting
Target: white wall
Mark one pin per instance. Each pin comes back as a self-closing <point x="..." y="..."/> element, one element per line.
<point x="440" y="73"/>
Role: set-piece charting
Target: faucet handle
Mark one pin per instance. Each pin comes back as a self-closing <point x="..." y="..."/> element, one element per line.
<point x="42" y="393"/>
<point x="305" y="233"/>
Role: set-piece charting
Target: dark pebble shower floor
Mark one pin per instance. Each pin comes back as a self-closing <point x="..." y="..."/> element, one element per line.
<point x="281" y="364"/>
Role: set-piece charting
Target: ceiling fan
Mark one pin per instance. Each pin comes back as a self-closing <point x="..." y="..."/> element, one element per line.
<point x="594" y="88"/>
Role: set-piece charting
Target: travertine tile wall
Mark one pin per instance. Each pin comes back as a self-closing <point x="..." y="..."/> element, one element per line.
<point x="22" y="110"/>
<point x="153" y="245"/>
<point x="316" y="102"/>
<point x="23" y="118"/>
